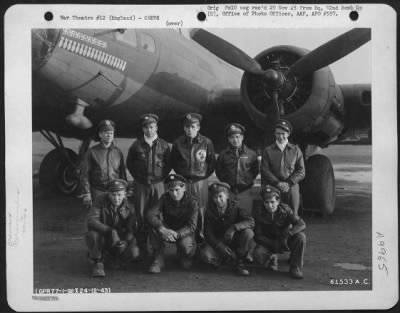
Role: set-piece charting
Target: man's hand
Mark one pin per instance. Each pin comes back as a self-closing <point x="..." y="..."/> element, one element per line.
<point x="283" y="186"/>
<point x="87" y="200"/>
<point x="168" y="235"/>
<point x="225" y="251"/>
<point x="130" y="191"/>
<point x="283" y="238"/>
<point x="230" y="232"/>
<point x="114" y="237"/>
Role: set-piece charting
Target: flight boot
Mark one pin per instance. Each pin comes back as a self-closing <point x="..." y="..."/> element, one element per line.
<point x="98" y="269"/>
<point x="296" y="272"/>
<point x="272" y="263"/>
<point x="186" y="262"/>
<point x="241" y="270"/>
<point x="157" y="264"/>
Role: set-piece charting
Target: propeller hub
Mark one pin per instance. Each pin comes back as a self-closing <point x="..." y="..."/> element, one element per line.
<point x="274" y="79"/>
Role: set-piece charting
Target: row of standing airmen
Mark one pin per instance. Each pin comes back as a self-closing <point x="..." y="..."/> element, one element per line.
<point x="164" y="204"/>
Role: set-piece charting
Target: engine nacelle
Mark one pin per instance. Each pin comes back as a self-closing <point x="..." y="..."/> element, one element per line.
<point x="313" y="103"/>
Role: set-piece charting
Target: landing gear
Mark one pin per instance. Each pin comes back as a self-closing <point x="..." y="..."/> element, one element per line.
<point x="318" y="187"/>
<point x="59" y="170"/>
<point x="57" y="174"/>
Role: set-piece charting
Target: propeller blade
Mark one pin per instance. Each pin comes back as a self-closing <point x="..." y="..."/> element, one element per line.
<point x="330" y="52"/>
<point x="225" y="51"/>
<point x="271" y="119"/>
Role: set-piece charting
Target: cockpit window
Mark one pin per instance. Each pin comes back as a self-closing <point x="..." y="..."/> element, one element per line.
<point x="127" y="36"/>
<point x="147" y="43"/>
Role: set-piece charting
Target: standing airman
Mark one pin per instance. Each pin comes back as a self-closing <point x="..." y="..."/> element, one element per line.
<point x="282" y="166"/>
<point x="193" y="157"/>
<point x="148" y="161"/>
<point x="237" y="165"/>
<point x="102" y="163"/>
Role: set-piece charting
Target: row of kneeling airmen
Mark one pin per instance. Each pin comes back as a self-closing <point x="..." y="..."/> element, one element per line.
<point x="232" y="234"/>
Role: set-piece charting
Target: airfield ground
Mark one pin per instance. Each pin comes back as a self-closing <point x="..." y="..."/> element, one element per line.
<point x="339" y="246"/>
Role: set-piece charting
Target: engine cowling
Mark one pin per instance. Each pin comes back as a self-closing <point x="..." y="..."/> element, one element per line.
<point x="313" y="103"/>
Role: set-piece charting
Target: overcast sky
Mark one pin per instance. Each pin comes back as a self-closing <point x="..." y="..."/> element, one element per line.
<point x="352" y="69"/>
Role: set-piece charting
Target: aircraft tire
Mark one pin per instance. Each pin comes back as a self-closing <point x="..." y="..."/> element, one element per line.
<point x="57" y="174"/>
<point x="318" y="187"/>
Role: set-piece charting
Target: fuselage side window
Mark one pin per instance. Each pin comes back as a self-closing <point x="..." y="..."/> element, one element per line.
<point x="147" y="43"/>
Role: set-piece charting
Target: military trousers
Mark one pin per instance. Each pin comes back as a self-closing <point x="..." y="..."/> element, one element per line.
<point x="242" y="244"/>
<point x="185" y="247"/>
<point x="292" y="198"/>
<point x="244" y="199"/>
<point x="98" y="244"/>
<point x="97" y="196"/>
<point x="199" y="190"/>
<point x="146" y="195"/>
<point x="296" y="244"/>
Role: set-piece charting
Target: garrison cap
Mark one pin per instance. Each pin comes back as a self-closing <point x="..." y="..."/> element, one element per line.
<point x="234" y="128"/>
<point x="269" y="190"/>
<point x="217" y="187"/>
<point x="148" y="118"/>
<point x="117" y="185"/>
<point x="192" y="118"/>
<point x="284" y="124"/>
<point x="105" y="125"/>
<point x="173" y="180"/>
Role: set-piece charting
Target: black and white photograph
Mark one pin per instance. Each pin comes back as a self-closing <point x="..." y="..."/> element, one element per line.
<point x="193" y="162"/>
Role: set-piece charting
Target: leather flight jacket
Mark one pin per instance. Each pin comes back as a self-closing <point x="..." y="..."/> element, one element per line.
<point x="237" y="168"/>
<point x="180" y="216"/>
<point x="193" y="159"/>
<point x="100" y="166"/>
<point x="148" y="164"/>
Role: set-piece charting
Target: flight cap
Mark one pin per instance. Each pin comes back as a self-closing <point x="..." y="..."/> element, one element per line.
<point x="269" y="191"/>
<point x="192" y="118"/>
<point x="117" y="185"/>
<point x="284" y="124"/>
<point x="234" y="128"/>
<point x="217" y="187"/>
<point x="148" y="119"/>
<point x="106" y="125"/>
<point x="174" y="180"/>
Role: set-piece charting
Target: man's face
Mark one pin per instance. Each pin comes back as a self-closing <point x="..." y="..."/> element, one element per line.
<point x="235" y="140"/>
<point x="271" y="203"/>
<point x="192" y="130"/>
<point x="176" y="192"/>
<point x="106" y="136"/>
<point x="281" y="135"/>
<point x="150" y="130"/>
<point x="117" y="197"/>
<point x="220" y="199"/>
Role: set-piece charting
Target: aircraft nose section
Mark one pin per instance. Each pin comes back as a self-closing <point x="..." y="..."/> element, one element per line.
<point x="43" y="44"/>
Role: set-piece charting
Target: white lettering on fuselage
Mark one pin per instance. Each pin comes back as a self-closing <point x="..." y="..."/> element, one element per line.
<point x="84" y="37"/>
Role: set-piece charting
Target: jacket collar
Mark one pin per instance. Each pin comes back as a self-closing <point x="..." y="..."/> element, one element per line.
<point x="288" y="146"/>
<point x="242" y="149"/>
<point x="196" y="140"/>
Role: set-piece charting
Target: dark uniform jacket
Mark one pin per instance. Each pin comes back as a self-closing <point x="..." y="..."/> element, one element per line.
<point x="270" y="226"/>
<point x="105" y="218"/>
<point x="100" y="166"/>
<point x="193" y="160"/>
<point x="149" y="164"/>
<point x="181" y="216"/>
<point x="291" y="170"/>
<point x="237" y="170"/>
<point x="217" y="224"/>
